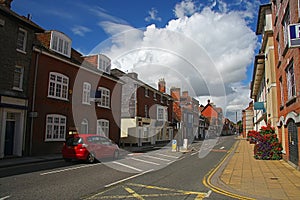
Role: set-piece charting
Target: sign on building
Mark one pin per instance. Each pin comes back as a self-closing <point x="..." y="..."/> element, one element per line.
<point x="294" y="35"/>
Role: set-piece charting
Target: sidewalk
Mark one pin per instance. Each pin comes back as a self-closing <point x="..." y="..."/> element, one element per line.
<point x="261" y="179"/>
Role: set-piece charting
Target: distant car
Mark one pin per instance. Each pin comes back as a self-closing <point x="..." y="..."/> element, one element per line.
<point x="89" y="148"/>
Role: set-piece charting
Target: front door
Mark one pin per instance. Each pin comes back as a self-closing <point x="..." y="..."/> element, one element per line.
<point x="9" y="138"/>
<point x="293" y="142"/>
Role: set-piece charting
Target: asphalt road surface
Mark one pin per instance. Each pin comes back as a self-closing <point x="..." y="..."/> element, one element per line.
<point x="160" y="174"/>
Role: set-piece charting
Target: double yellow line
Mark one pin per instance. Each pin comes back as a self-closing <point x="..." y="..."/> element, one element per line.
<point x="206" y="180"/>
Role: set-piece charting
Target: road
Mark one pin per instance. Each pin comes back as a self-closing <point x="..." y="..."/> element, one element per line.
<point x="160" y="174"/>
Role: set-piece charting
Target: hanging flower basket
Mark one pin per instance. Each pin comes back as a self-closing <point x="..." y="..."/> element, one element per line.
<point x="267" y="146"/>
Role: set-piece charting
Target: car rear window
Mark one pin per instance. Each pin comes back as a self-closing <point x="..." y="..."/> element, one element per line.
<point x="73" y="141"/>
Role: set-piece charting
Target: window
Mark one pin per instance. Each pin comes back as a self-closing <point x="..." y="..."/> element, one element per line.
<point x="161" y="99"/>
<point x="55" y="127"/>
<point x="291" y="81"/>
<point x="60" y="43"/>
<point x="58" y="86"/>
<point x="21" y="40"/>
<point x="285" y="23"/>
<point x="103" y="127"/>
<point x="86" y="93"/>
<point x="146" y="111"/>
<point x="105" y="97"/>
<point x="146" y="92"/>
<point x="104" y="63"/>
<point x="84" y="126"/>
<point x="160" y="113"/>
<point x="154" y="96"/>
<point x="281" y="92"/>
<point x="18" y="78"/>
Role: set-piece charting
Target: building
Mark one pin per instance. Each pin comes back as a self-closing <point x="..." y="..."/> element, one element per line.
<point x="258" y="92"/>
<point x="285" y="15"/>
<point x="146" y="113"/>
<point x="263" y="85"/>
<point x="247" y="120"/>
<point x="69" y="93"/>
<point x="17" y="35"/>
<point x="214" y="116"/>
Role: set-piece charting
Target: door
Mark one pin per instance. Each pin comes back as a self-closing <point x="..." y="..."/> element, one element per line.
<point x="293" y="142"/>
<point x="9" y="138"/>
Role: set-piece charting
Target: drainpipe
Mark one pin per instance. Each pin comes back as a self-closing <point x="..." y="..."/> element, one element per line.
<point x="32" y="115"/>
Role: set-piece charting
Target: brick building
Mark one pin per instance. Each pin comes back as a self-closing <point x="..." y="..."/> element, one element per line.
<point x="146" y="117"/>
<point x="70" y="93"/>
<point x="17" y="35"/>
<point x="287" y="67"/>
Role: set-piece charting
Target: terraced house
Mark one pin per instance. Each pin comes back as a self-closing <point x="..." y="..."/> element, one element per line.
<point x="17" y="35"/>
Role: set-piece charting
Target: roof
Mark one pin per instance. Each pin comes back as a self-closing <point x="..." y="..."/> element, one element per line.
<point x="22" y="19"/>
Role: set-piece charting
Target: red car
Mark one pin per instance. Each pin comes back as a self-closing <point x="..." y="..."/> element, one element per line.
<point x="89" y="147"/>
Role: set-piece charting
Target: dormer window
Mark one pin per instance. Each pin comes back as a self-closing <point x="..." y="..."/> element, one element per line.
<point x="104" y="63"/>
<point x="60" y="43"/>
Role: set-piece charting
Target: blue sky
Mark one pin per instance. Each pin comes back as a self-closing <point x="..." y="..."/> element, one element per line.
<point x="205" y="47"/>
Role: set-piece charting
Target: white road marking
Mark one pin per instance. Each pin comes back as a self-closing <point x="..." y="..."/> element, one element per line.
<point x="208" y="194"/>
<point x="156" y="158"/>
<point x="168" y="155"/>
<point x="68" y="169"/>
<point x="125" y="179"/>
<point x="145" y="161"/>
<point x="222" y="147"/>
<point x="6" y="197"/>
<point x="128" y="166"/>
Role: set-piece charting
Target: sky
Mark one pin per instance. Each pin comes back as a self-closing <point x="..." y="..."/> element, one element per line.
<point x="204" y="47"/>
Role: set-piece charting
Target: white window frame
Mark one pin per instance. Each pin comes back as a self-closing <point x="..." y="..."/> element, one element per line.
<point x="160" y="113"/>
<point x="103" y="64"/>
<point x="291" y="85"/>
<point x="105" y="97"/>
<point x="55" y="127"/>
<point x="154" y="96"/>
<point x="281" y="93"/>
<point x="18" y="77"/>
<point x="22" y="40"/>
<point x="86" y="93"/>
<point x="60" y="43"/>
<point x="58" y="86"/>
<point x="103" y="127"/>
<point x="146" y="92"/>
<point x="285" y="24"/>
<point x="84" y="126"/>
<point x="146" y="111"/>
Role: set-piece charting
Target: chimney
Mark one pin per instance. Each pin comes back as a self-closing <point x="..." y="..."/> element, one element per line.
<point x="185" y="94"/>
<point x="6" y="3"/>
<point x="162" y="85"/>
<point x="133" y="75"/>
<point x="175" y="93"/>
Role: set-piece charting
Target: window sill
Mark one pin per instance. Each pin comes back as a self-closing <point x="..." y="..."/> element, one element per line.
<point x="291" y="101"/>
<point x="57" y="98"/>
<point x="18" y="89"/>
<point x="21" y="51"/>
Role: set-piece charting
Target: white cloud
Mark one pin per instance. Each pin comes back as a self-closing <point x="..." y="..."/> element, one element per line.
<point x="80" y="30"/>
<point x="185" y="8"/>
<point x="206" y="53"/>
<point x="152" y="15"/>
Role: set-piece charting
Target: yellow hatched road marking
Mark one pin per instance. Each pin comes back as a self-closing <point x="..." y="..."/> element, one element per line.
<point x="133" y="194"/>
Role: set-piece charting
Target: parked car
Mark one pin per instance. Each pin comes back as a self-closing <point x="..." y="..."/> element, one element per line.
<point x="89" y="147"/>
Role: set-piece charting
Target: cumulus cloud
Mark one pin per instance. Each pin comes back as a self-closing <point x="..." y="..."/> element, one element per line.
<point x="206" y="52"/>
<point x="152" y="15"/>
<point x="184" y="8"/>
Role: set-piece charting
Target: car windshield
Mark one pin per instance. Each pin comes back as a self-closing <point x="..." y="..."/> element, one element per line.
<point x="73" y="141"/>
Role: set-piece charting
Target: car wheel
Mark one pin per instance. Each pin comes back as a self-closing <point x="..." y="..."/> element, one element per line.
<point x="90" y="158"/>
<point x="116" y="154"/>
